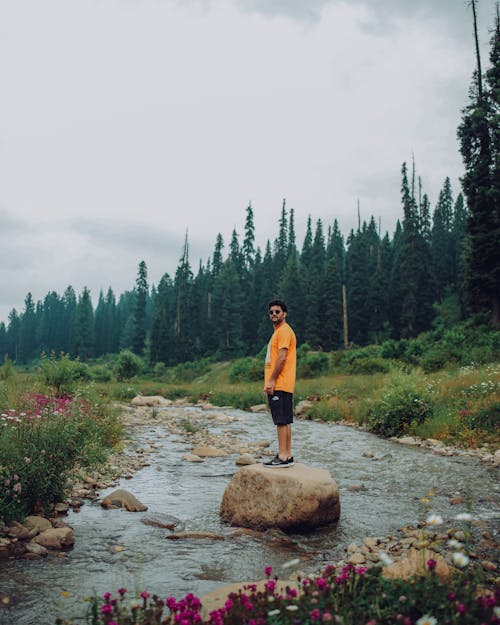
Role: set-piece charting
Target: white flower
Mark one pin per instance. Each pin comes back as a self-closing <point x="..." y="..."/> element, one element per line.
<point x="273" y="613"/>
<point x="464" y="516"/>
<point x="455" y="544"/>
<point x="460" y="559"/>
<point x="292" y="608"/>
<point x="290" y="563"/>
<point x="434" y="519"/>
<point x="384" y="558"/>
<point x="426" y="620"/>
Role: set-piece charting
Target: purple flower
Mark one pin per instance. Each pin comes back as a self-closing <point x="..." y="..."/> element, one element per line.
<point x="315" y="614"/>
<point x="145" y="594"/>
<point x="122" y="591"/>
<point x="461" y="609"/>
<point x="321" y="583"/>
<point x="106" y="596"/>
<point x="268" y="571"/>
<point x="106" y="609"/>
<point x="451" y="596"/>
<point x="431" y="564"/>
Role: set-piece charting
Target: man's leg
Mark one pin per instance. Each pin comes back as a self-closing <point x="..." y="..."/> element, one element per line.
<point x="283" y="438"/>
<point x="288" y="441"/>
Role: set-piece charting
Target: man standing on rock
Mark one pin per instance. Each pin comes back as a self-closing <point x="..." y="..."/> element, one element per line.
<point x="279" y="382"/>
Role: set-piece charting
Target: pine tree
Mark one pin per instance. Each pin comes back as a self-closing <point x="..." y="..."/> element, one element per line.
<point x="14" y="335"/>
<point x="84" y="326"/>
<point x="28" y="330"/>
<point x="479" y="145"/>
<point x="249" y="240"/>
<point x="141" y="294"/>
<point x="68" y="303"/>
<point x="161" y="330"/>
<point x="442" y="243"/>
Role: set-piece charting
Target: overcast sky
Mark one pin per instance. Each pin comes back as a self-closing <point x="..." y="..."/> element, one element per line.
<point x="126" y="123"/>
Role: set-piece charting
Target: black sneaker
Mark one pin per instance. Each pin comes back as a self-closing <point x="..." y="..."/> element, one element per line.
<point x="290" y="461"/>
<point x="278" y="463"/>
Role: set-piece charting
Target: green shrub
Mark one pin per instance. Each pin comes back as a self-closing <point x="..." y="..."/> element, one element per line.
<point x="188" y="371"/>
<point x="41" y="444"/>
<point x="247" y="370"/>
<point x="312" y="364"/>
<point x="60" y="374"/>
<point x="128" y="365"/>
<point x="486" y="419"/>
<point x="369" y="365"/>
<point x="7" y="370"/>
<point x="124" y="392"/>
<point x="101" y="373"/>
<point x="402" y="406"/>
<point x="434" y="360"/>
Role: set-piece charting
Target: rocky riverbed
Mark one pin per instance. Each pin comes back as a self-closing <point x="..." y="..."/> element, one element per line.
<point x="401" y="552"/>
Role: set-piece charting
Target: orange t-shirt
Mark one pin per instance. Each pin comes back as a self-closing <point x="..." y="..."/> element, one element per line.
<point x="284" y="336"/>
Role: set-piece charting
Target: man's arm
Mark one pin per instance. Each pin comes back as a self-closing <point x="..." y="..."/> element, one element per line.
<point x="278" y="368"/>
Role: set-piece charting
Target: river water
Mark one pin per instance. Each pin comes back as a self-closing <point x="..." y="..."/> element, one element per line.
<point x="114" y="549"/>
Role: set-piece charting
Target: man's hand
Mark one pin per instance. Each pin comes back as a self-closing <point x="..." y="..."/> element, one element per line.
<point x="269" y="388"/>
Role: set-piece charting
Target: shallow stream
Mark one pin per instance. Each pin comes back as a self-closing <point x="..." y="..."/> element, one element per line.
<point x="114" y="549"/>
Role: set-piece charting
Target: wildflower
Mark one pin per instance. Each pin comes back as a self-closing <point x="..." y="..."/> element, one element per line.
<point x="460" y="559"/>
<point x="292" y="607"/>
<point x="106" y="609"/>
<point x="106" y="596"/>
<point x="461" y="609"/>
<point x="291" y="592"/>
<point x="321" y="583"/>
<point x="426" y="620"/>
<point x="315" y="614"/>
<point x="431" y="564"/>
<point x="402" y="598"/>
<point x="455" y="544"/>
<point x="144" y="594"/>
<point x="27" y="460"/>
<point x="327" y="617"/>
<point x="122" y="591"/>
<point x="270" y="585"/>
<point x="451" y="596"/>
<point x="290" y="563"/>
<point x="384" y="558"/>
<point x="268" y="571"/>
<point x="229" y="604"/>
<point x="360" y="570"/>
<point x="273" y="612"/>
<point x="464" y="516"/>
<point x="434" y="519"/>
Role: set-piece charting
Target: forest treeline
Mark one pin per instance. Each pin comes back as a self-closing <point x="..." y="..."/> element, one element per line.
<point x="440" y="260"/>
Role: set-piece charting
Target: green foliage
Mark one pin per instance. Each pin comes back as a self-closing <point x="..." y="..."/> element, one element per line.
<point x="402" y="406"/>
<point x="188" y="371"/>
<point x="128" y="365"/>
<point x="42" y="444"/>
<point x="485" y="419"/>
<point x="369" y="365"/>
<point x="349" y="595"/>
<point x="312" y="364"/>
<point x="101" y="373"/>
<point x="60" y="374"/>
<point x="246" y="370"/>
<point x="7" y="369"/>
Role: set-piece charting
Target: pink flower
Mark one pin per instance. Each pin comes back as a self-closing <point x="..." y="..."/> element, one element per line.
<point x="461" y="609"/>
<point x="144" y="594"/>
<point x="107" y="596"/>
<point x="327" y="617"/>
<point x="106" y="609"/>
<point x="315" y="614"/>
<point x="268" y="571"/>
<point x="431" y="564"/>
<point x="122" y="591"/>
<point x="451" y="596"/>
<point x="321" y="583"/>
<point x="270" y="585"/>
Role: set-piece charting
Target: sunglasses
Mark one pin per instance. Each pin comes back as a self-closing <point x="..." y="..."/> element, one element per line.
<point x="277" y="311"/>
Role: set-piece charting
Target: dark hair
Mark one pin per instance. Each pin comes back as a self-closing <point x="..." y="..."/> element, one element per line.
<point x="278" y="302"/>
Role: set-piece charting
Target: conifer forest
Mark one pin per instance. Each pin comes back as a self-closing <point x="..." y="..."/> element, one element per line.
<point x="342" y="289"/>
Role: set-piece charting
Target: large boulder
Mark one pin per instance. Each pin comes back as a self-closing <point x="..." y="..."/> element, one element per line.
<point x="123" y="499"/>
<point x="260" y="497"/>
<point x="151" y="400"/>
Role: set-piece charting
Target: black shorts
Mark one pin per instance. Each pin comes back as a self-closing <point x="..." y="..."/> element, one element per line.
<point x="281" y="404"/>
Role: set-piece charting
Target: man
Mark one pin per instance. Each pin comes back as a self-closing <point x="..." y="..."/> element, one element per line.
<point x="279" y="382"/>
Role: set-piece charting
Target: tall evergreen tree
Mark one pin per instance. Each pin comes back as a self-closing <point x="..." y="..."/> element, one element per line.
<point x="84" y="326"/>
<point x="162" y="327"/>
<point x="28" y="330"/>
<point x="479" y="144"/>
<point x="141" y="295"/>
<point x="249" y="240"/>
